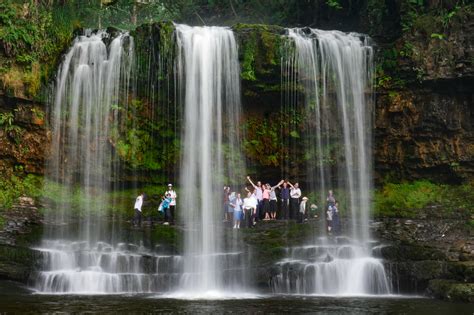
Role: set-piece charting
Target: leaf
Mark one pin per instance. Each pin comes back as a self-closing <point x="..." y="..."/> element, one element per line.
<point x="294" y="134"/>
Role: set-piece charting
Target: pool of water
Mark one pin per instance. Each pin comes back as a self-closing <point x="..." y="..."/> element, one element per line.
<point x="18" y="299"/>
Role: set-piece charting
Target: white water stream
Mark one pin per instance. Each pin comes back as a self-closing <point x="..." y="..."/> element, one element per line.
<point x="334" y="72"/>
<point x="208" y="71"/>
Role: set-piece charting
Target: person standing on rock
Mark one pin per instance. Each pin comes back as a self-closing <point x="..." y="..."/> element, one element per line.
<point x="226" y="202"/>
<point x="295" y="195"/>
<point x="259" y="195"/>
<point x="331" y="200"/>
<point x="273" y="200"/>
<point x="285" y="200"/>
<point x="302" y="210"/>
<point x="237" y="205"/>
<point x="329" y="220"/>
<point x="250" y="208"/>
<point x="165" y="205"/>
<point x="170" y="218"/>
<point x="335" y="219"/>
<point x="138" y="210"/>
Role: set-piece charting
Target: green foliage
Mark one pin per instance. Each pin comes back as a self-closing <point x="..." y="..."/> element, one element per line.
<point x="118" y="203"/>
<point x="259" y="49"/>
<point x="386" y="71"/>
<point x="376" y="11"/>
<point x="404" y="198"/>
<point x="17" y="186"/>
<point x="408" y="199"/>
<point x="263" y="140"/>
<point x="141" y="141"/>
<point x="7" y="123"/>
<point x="410" y="11"/>
<point x="248" y="72"/>
<point x="335" y="4"/>
<point x="6" y="119"/>
<point x="32" y="40"/>
<point x="437" y="36"/>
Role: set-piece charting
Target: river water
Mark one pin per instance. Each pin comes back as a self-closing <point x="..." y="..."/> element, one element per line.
<point x="16" y="299"/>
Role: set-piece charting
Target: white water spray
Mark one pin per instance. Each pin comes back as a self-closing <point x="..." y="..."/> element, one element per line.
<point x="335" y="72"/>
<point x="208" y="72"/>
<point x="93" y="77"/>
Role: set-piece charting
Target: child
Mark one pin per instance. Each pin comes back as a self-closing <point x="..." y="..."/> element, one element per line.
<point x="165" y="206"/>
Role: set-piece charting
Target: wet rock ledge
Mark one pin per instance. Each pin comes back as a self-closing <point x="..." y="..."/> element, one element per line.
<point x="430" y="256"/>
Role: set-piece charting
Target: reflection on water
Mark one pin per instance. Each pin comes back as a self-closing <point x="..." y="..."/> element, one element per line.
<point x="14" y="299"/>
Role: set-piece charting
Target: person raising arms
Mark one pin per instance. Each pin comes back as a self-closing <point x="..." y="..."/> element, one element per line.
<point x="259" y="195"/>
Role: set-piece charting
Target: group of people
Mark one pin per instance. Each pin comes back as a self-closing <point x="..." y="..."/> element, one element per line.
<point x="260" y="204"/>
<point x="167" y="207"/>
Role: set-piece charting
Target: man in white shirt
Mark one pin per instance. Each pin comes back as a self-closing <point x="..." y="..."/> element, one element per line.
<point x="295" y="195"/>
<point x="172" y="208"/>
<point x="250" y="209"/>
<point x="138" y="210"/>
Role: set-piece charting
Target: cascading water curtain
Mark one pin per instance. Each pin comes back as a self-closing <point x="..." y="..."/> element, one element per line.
<point x="328" y="78"/>
<point x="92" y="79"/>
<point x="92" y="87"/>
<point x="334" y="71"/>
<point x="208" y="76"/>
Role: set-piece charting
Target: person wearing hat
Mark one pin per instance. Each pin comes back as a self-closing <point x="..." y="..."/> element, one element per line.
<point x="170" y="218"/>
<point x="302" y="211"/>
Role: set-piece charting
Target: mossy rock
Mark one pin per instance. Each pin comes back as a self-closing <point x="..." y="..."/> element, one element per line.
<point x="18" y="263"/>
<point x="411" y="252"/>
<point x="451" y="290"/>
<point x="259" y="51"/>
<point x="462" y="271"/>
<point x="428" y="269"/>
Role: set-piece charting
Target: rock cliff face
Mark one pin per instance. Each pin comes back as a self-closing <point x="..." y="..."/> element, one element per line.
<point x="429" y="255"/>
<point x="424" y="118"/>
<point x="426" y="132"/>
<point x="425" y="128"/>
<point x="24" y="137"/>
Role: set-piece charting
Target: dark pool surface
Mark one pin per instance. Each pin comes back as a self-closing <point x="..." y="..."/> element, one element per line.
<point x="15" y="299"/>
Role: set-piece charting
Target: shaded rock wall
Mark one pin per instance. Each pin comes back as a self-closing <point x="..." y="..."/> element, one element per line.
<point x="429" y="256"/>
<point x="25" y="140"/>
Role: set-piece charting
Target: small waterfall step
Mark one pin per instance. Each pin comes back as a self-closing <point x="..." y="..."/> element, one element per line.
<point x="76" y="267"/>
<point x="334" y="267"/>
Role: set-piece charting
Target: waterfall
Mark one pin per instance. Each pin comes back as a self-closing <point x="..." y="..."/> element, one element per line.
<point x="93" y="78"/>
<point x="334" y="72"/>
<point x="208" y="75"/>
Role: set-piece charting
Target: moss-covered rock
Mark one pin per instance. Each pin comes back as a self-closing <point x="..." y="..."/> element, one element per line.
<point x="451" y="290"/>
<point x="18" y="263"/>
